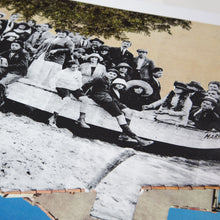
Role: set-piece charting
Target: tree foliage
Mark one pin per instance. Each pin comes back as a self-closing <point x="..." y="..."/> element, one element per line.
<point x="91" y="19"/>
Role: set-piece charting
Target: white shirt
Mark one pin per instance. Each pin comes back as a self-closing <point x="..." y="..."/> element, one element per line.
<point x="140" y="62"/>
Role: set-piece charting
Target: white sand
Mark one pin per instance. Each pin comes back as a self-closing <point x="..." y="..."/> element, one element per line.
<point x="35" y="156"/>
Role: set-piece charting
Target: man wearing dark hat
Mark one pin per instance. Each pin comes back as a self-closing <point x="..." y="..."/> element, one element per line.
<point x="156" y="73"/>
<point x="204" y="117"/>
<point x="143" y="65"/>
<point x="95" y="46"/>
<point x="197" y="94"/>
<point x="14" y="64"/>
<point x="121" y="54"/>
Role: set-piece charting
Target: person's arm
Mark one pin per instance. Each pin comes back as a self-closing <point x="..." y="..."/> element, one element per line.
<point x="69" y="47"/>
<point x="154" y="104"/>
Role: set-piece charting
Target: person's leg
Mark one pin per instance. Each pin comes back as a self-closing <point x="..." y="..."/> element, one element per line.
<point x="125" y="128"/>
<point x="128" y="114"/>
<point x="114" y="110"/>
<point x="82" y="116"/>
<point x="64" y="94"/>
<point x="2" y="95"/>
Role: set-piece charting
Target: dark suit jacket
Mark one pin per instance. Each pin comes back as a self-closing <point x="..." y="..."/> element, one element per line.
<point x="17" y="64"/>
<point x="145" y="70"/>
<point x="117" y="57"/>
<point x="156" y="90"/>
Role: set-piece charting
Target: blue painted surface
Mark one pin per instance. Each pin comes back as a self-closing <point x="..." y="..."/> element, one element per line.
<point x="19" y="209"/>
<point x="186" y="214"/>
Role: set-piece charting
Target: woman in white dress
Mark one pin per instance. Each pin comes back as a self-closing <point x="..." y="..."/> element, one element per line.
<point x="51" y="56"/>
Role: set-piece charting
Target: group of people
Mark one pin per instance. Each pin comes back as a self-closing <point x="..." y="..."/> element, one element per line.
<point x="77" y="66"/>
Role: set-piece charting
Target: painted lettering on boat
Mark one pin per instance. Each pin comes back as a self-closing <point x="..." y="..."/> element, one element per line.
<point x="210" y="135"/>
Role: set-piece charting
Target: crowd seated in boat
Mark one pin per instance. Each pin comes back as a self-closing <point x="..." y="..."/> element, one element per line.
<point x="45" y="55"/>
<point x="175" y="107"/>
<point x="105" y="92"/>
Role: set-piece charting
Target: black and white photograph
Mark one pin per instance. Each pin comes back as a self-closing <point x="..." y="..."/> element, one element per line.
<point x="106" y="100"/>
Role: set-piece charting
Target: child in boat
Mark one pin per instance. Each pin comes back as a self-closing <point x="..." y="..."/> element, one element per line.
<point x="175" y="107"/>
<point x="101" y="93"/>
<point x="69" y="81"/>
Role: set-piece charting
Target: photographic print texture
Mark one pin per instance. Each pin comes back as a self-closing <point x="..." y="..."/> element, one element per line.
<point x="107" y="100"/>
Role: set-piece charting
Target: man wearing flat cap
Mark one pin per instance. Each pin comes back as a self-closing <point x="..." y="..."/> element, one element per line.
<point x="121" y="54"/>
<point x="143" y="65"/>
<point x="205" y="117"/>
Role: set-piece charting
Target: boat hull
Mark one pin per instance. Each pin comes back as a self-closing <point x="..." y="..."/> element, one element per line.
<point x="142" y="123"/>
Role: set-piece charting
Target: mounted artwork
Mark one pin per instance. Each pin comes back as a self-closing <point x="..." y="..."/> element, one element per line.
<point x="108" y="100"/>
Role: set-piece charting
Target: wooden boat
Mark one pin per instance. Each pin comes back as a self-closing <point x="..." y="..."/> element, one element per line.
<point x="143" y="123"/>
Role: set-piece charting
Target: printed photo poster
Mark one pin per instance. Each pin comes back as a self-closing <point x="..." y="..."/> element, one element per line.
<point x="109" y="100"/>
